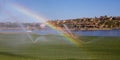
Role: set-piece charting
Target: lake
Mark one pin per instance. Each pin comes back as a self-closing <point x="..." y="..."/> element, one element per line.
<point x="79" y="32"/>
<point x="99" y="33"/>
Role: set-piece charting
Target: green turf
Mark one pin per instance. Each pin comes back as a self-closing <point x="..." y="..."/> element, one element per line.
<point x="55" y="47"/>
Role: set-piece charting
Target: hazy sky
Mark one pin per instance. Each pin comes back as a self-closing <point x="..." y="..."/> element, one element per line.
<point x="66" y="9"/>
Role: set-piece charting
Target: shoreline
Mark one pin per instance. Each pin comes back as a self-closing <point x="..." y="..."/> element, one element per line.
<point x="89" y="29"/>
<point x="81" y="29"/>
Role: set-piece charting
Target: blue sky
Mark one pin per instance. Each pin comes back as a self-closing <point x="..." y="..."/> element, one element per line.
<point x="67" y="9"/>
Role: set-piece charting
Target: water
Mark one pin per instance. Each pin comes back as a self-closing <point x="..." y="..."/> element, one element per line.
<point x="98" y="33"/>
<point x="81" y="33"/>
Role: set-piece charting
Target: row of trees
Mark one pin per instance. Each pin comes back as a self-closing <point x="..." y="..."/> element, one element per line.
<point x="14" y="25"/>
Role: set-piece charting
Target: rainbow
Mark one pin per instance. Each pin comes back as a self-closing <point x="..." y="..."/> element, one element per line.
<point x="26" y="11"/>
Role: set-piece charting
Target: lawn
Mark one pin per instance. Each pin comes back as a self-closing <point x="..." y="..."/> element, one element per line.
<point x="55" y="47"/>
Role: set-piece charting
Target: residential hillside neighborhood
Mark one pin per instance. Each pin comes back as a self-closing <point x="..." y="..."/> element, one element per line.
<point x="96" y="23"/>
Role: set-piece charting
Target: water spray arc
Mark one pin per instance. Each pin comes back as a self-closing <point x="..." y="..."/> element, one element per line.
<point x="27" y="12"/>
<point x="68" y="34"/>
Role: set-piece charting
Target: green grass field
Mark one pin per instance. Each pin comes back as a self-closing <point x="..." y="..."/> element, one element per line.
<point x="54" y="47"/>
